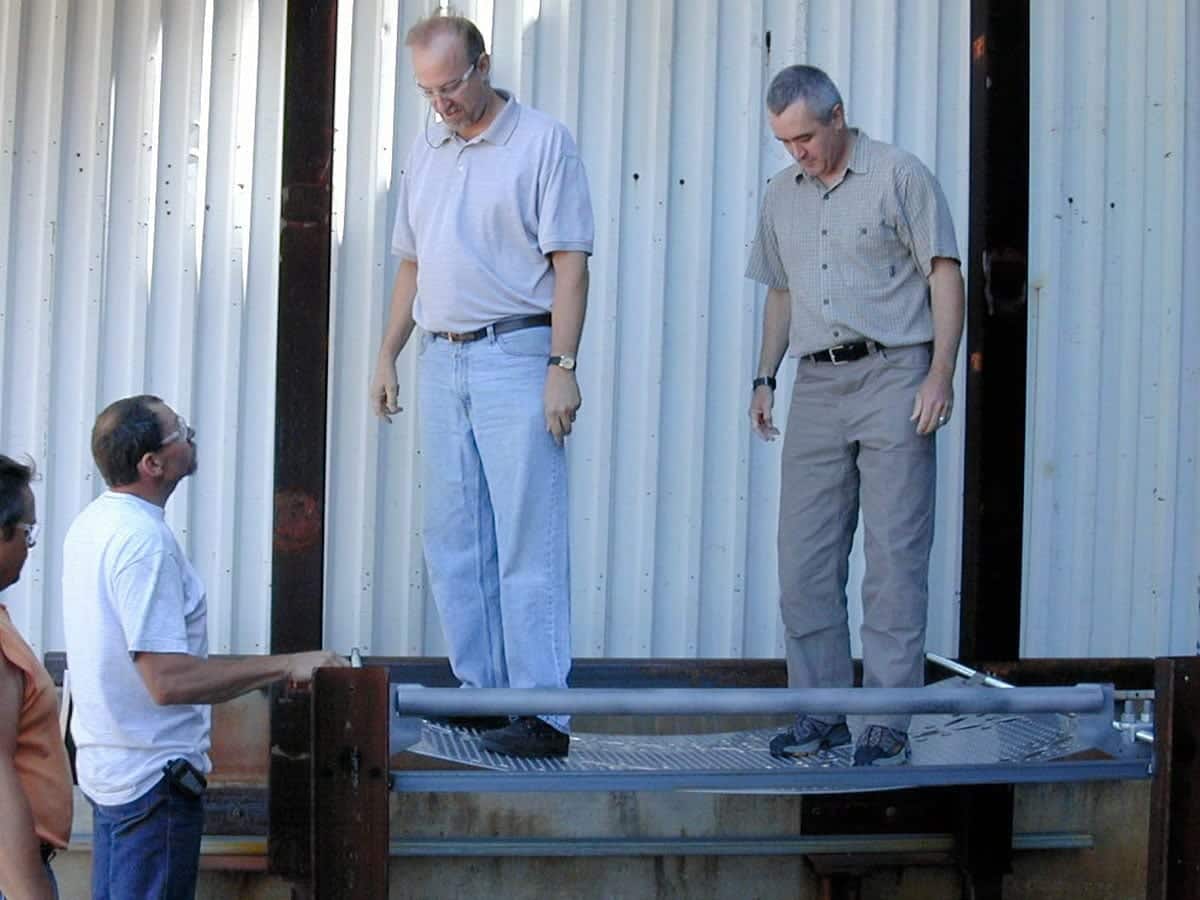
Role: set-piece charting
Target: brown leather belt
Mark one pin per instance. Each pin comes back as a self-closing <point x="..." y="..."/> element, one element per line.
<point x="502" y="327"/>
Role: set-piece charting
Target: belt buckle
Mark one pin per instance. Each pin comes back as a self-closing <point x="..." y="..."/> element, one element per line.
<point x="832" y="351"/>
<point x="455" y="337"/>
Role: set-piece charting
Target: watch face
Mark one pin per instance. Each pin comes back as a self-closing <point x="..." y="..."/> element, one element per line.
<point x="565" y="362"/>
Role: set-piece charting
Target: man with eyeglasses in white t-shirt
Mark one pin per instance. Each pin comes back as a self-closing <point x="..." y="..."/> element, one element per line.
<point x="136" y="623"/>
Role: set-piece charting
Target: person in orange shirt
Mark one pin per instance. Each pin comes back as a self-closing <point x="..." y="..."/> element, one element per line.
<point x="35" y="776"/>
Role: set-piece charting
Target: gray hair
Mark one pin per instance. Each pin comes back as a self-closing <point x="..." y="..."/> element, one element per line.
<point x="807" y="83"/>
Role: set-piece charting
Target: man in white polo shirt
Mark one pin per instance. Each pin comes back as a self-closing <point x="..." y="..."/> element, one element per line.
<point x="135" y="618"/>
<point x="493" y="229"/>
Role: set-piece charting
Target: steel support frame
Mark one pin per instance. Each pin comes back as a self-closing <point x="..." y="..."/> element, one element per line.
<point x="348" y="812"/>
<point x="954" y="810"/>
<point x="301" y="392"/>
<point x="1173" y="870"/>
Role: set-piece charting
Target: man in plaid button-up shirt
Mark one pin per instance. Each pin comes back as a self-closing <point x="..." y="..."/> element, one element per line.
<point x="856" y="246"/>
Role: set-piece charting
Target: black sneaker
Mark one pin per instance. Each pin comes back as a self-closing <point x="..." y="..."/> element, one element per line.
<point x="882" y="746"/>
<point x="475" y="723"/>
<point x="527" y="736"/>
<point x="809" y="736"/>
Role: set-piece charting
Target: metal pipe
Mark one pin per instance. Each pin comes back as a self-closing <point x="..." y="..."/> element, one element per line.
<point x="773" y="845"/>
<point x="966" y="671"/>
<point x="252" y="846"/>
<point x="417" y="700"/>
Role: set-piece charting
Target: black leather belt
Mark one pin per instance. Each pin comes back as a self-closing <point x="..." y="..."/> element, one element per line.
<point x="48" y="851"/>
<point x="844" y="353"/>
<point x="502" y="327"/>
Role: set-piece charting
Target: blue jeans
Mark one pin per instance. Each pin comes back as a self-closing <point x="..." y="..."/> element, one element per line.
<point x="495" y="511"/>
<point x="149" y="847"/>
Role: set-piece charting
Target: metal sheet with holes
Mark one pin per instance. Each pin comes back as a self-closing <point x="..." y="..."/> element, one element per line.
<point x="945" y="750"/>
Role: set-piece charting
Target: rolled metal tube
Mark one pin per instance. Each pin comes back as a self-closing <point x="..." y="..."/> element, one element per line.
<point x="417" y="700"/>
<point x="966" y="671"/>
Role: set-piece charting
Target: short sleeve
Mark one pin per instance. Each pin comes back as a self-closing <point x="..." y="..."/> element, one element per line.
<point x="404" y="241"/>
<point x="565" y="205"/>
<point x="924" y="223"/>
<point x="765" y="265"/>
<point x="148" y="594"/>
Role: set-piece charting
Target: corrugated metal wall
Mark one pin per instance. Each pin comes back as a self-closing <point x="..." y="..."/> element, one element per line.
<point x="139" y="173"/>
<point x="673" y="504"/>
<point x="139" y="165"/>
<point x="1112" y="535"/>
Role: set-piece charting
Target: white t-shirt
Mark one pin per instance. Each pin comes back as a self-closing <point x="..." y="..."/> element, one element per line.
<point x="127" y="588"/>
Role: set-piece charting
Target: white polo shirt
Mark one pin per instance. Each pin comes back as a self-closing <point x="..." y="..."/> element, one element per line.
<point x="127" y="588"/>
<point x="480" y="217"/>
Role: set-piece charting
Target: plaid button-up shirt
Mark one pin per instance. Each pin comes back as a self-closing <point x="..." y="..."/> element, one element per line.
<point x="856" y="256"/>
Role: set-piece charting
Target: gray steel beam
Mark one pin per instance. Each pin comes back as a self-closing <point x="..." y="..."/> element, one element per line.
<point x="416" y="700"/>
<point x="793" y="781"/>
<point x="720" y="846"/>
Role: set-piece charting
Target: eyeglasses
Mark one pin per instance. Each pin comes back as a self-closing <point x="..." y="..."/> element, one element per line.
<point x="31" y="530"/>
<point x="182" y="431"/>
<point x="449" y="88"/>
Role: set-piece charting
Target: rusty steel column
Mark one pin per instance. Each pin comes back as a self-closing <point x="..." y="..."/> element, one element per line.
<point x="993" y="404"/>
<point x="349" y="815"/>
<point x="1173" y="870"/>
<point x="297" y="561"/>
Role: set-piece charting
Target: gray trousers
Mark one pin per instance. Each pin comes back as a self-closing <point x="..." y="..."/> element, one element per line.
<point x="850" y="444"/>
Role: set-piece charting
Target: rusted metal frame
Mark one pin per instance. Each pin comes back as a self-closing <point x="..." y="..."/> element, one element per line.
<point x="1173" y="870"/>
<point x="235" y="810"/>
<point x="995" y="267"/>
<point x="349" y="805"/>
<point x="301" y="389"/>
<point x="1123" y="674"/>
<point x="614" y="673"/>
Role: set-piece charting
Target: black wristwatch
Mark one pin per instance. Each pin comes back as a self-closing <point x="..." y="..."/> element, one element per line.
<point x="768" y="380"/>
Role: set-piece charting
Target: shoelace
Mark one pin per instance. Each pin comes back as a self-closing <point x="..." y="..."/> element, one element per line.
<point x="878" y="736"/>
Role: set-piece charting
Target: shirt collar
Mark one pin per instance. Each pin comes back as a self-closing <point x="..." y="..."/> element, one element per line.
<point x="860" y="155"/>
<point x="497" y="133"/>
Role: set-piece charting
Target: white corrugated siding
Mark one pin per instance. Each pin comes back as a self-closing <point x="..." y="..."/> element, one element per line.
<point x="1112" y="532"/>
<point x="139" y="148"/>
<point x="139" y="173"/>
<point x="673" y="505"/>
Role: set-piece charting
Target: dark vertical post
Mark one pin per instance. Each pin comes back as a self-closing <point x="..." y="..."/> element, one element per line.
<point x="1173" y="870"/>
<point x="984" y="838"/>
<point x="996" y="268"/>
<point x="349" y="813"/>
<point x="300" y="402"/>
<point x="993" y="490"/>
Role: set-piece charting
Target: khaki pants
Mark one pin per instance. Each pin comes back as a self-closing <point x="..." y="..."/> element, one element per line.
<point x="850" y="444"/>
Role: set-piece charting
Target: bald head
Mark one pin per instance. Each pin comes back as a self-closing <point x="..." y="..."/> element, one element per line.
<point x="461" y="29"/>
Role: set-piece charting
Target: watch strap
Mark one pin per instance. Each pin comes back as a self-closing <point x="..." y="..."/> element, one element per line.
<point x="768" y="380"/>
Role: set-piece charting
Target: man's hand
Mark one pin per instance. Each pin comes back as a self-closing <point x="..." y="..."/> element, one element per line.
<point x="301" y="665"/>
<point x="561" y="400"/>
<point x="934" y="401"/>
<point x="385" y="399"/>
<point x="761" y="404"/>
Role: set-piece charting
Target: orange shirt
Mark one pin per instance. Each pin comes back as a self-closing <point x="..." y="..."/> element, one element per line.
<point x="41" y="757"/>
